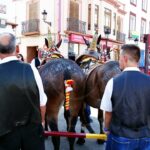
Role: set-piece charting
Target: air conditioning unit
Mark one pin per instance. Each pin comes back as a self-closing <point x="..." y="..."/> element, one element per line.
<point x="2" y="23"/>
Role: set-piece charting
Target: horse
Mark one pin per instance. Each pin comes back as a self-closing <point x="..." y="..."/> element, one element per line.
<point x="96" y="81"/>
<point x="86" y="60"/>
<point x="55" y="73"/>
<point x="97" y="75"/>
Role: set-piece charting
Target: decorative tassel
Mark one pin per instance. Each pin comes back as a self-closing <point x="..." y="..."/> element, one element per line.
<point x="68" y="89"/>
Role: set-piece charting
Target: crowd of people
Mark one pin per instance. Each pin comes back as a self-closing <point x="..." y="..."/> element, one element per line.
<point x="125" y="102"/>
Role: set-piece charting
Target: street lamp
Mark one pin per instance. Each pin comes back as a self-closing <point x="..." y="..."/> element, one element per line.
<point x="44" y="13"/>
<point x="136" y="40"/>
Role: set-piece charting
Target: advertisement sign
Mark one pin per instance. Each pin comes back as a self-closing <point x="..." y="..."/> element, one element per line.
<point x="147" y="53"/>
<point x="75" y="38"/>
<point x="135" y="35"/>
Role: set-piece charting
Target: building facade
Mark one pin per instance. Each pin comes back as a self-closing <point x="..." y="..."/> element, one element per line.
<point x="7" y="22"/>
<point x="117" y="21"/>
<point x="137" y="21"/>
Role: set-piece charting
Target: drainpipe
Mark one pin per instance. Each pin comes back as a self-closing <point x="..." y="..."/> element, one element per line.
<point x="59" y="19"/>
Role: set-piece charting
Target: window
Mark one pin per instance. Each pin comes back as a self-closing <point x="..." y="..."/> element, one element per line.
<point x="74" y="9"/>
<point x="33" y="10"/>
<point x="89" y="17"/>
<point x="133" y="2"/>
<point x="96" y="17"/>
<point x="144" y="5"/>
<point x="114" y="20"/>
<point x="107" y="17"/>
<point x="2" y="9"/>
<point x="143" y="27"/>
<point x="132" y="23"/>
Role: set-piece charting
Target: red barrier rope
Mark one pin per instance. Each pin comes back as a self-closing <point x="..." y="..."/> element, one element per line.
<point x="76" y="135"/>
<point x="65" y="134"/>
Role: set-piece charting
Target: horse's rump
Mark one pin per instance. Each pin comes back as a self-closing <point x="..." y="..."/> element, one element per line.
<point x="97" y="80"/>
<point x="53" y="75"/>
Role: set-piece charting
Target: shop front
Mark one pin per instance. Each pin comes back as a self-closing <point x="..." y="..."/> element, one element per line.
<point x="110" y="48"/>
<point x="76" y="43"/>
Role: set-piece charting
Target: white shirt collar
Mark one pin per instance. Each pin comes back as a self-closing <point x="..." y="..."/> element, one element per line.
<point x="131" y="69"/>
<point x="7" y="59"/>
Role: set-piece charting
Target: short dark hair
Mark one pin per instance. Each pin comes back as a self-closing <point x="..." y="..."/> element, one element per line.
<point x="132" y="50"/>
<point x="11" y="46"/>
<point x="20" y="56"/>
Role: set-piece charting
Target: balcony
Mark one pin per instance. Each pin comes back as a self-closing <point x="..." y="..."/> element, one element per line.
<point x="31" y="27"/>
<point x="120" y="36"/>
<point x="76" y="25"/>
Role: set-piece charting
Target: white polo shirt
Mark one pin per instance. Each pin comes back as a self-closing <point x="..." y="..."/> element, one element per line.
<point x="106" y="103"/>
<point x="42" y="95"/>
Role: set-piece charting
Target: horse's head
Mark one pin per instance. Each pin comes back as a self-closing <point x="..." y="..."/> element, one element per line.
<point x="90" y="55"/>
<point x="95" y="44"/>
<point x="50" y="50"/>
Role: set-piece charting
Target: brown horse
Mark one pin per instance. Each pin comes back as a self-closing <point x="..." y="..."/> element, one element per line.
<point x="53" y="75"/>
<point x="96" y="81"/>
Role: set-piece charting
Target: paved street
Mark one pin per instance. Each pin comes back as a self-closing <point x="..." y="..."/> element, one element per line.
<point x="89" y="144"/>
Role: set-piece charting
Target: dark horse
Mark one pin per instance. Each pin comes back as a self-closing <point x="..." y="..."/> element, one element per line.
<point x="96" y="80"/>
<point x="53" y="74"/>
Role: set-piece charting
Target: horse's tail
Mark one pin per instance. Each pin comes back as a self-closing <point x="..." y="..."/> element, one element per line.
<point x="68" y="82"/>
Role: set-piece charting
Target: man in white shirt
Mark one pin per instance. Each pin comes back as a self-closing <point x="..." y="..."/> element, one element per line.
<point x="126" y="105"/>
<point x="22" y="100"/>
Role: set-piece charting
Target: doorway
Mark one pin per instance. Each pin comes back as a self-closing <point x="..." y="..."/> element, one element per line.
<point x="31" y="53"/>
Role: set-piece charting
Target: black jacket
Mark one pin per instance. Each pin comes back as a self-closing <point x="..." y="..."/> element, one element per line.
<point x="19" y="96"/>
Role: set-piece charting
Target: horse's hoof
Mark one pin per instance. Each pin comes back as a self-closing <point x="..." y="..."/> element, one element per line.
<point x="80" y="141"/>
<point x="100" y="141"/>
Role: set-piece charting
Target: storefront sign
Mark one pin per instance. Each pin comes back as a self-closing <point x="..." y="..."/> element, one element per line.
<point x="134" y="35"/>
<point x="109" y="44"/>
<point x="78" y="38"/>
<point x="147" y="53"/>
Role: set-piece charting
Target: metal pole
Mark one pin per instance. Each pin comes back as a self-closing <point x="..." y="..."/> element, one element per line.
<point x="76" y="135"/>
<point x="106" y="40"/>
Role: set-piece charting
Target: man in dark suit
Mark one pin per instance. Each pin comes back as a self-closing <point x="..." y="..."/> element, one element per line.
<point x="126" y="105"/>
<point x="22" y="101"/>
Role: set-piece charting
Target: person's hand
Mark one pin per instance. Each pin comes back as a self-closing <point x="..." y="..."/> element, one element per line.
<point x="106" y="130"/>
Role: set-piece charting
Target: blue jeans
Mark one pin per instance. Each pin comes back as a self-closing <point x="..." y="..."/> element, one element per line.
<point x="121" y="143"/>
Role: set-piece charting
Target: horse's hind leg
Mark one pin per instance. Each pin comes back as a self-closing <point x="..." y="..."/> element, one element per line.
<point x="72" y="124"/>
<point x="54" y="127"/>
<point x="46" y="125"/>
<point x="100" y="119"/>
<point x="85" y="122"/>
<point x="66" y="116"/>
<point x="52" y="120"/>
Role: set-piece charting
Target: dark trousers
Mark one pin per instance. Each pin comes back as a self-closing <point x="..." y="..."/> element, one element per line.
<point x="28" y="137"/>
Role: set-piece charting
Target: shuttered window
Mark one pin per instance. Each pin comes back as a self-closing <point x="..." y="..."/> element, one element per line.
<point x="74" y="9"/>
<point x="33" y="10"/>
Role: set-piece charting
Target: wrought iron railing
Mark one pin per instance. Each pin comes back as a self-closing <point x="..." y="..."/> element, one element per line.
<point x="120" y="36"/>
<point x="30" y="26"/>
<point x="76" y="25"/>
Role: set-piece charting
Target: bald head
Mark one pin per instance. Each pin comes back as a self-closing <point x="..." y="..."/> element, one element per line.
<point x="7" y="43"/>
